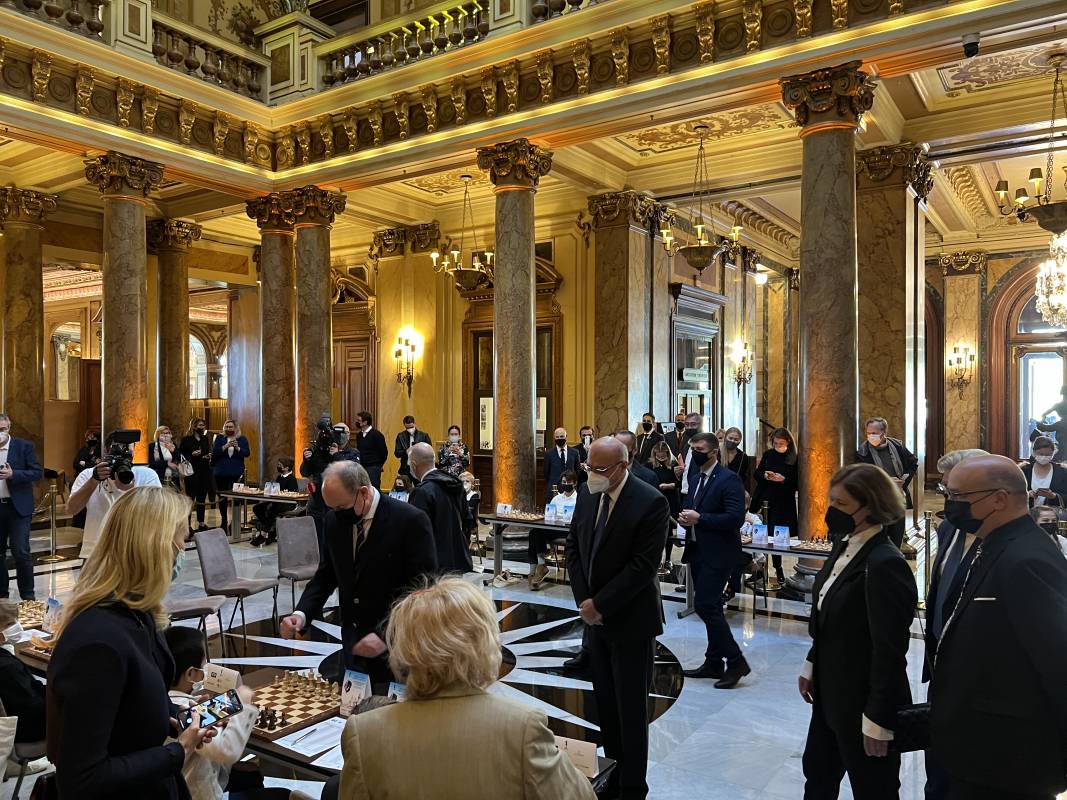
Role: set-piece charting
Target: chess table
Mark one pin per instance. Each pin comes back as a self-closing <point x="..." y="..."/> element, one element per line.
<point x="240" y="499"/>
<point x="31" y="614"/>
<point x="300" y="703"/>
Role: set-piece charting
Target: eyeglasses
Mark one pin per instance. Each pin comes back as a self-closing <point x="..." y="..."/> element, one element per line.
<point x="951" y="495"/>
<point x="601" y="470"/>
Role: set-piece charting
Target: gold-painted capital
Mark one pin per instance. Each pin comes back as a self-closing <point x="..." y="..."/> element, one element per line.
<point x="171" y="234"/>
<point x="272" y="212"/>
<point x="25" y="206"/>
<point x="626" y="208"/>
<point x="834" y="97"/>
<point x="516" y="164"/>
<point x="962" y="262"/>
<point x="116" y="174"/>
<point x="905" y="163"/>
<point x="314" y="206"/>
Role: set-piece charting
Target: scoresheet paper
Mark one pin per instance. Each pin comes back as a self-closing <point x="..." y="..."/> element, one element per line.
<point x="314" y="739"/>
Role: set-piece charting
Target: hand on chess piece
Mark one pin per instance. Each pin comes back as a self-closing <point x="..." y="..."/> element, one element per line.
<point x="370" y="646"/>
<point x="291" y="626"/>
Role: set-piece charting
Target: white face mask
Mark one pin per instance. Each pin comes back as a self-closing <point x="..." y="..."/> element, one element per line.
<point x="5" y="437"/>
<point x="874" y="438"/>
<point x="466" y="486"/>
<point x="1043" y="460"/>
<point x="597" y="483"/>
<point x="454" y="438"/>
<point x="13" y="633"/>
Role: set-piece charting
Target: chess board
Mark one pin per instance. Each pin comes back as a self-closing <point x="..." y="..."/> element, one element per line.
<point x="303" y="703"/>
<point x="814" y="546"/>
<point x="31" y="614"/>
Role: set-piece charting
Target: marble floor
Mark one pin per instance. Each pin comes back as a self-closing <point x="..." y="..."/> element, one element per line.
<point x="709" y="744"/>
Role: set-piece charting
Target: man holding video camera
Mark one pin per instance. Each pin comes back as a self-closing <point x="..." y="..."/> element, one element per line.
<point x="330" y="445"/>
<point x="96" y="490"/>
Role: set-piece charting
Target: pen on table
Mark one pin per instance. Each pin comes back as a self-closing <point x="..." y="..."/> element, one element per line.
<point x="304" y="736"/>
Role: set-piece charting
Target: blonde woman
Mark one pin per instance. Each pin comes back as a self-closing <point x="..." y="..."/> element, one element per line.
<point x="451" y="739"/>
<point x="108" y="708"/>
<point x="163" y="455"/>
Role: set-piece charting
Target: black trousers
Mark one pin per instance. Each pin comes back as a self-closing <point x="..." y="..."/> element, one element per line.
<point x="709" y="580"/>
<point x="962" y="790"/>
<point x="622" y="674"/>
<point x="828" y="755"/>
<point x="224" y="483"/>
<point x="938" y="781"/>
<point x="374" y="472"/>
<point x="196" y="488"/>
<point x="15" y="532"/>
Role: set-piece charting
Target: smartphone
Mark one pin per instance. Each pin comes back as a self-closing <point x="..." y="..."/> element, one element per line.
<point x="213" y="711"/>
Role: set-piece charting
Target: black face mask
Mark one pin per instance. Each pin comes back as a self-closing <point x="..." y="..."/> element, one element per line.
<point x="1050" y="528"/>
<point x="730" y="444"/>
<point x="958" y="512"/>
<point x="561" y="442"/>
<point x="691" y="432"/>
<point x="347" y="516"/>
<point x="566" y="488"/>
<point x="281" y="468"/>
<point x="700" y="459"/>
<point x="839" y="523"/>
<point x="647" y="426"/>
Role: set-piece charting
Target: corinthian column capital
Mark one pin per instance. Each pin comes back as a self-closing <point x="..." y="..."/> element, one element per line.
<point x="517" y="164"/>
<point x="834" y="97"/>
<point x="171" y="234"/>
<point x="621" y="208"/>
<point x="905" y="163"/>
<point x="314" y="206"/>
<point x="25" y="206"/>
<point x="273" y="212"/>
<point x="115" y="174"/>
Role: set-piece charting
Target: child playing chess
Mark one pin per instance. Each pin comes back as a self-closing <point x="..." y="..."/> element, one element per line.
<point x="21" y="693"/>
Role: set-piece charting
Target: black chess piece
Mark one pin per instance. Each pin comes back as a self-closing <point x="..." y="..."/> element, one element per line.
<point x="272" y="720"/>
<point x="285" y="718"/>
<point x="261" y="720"/>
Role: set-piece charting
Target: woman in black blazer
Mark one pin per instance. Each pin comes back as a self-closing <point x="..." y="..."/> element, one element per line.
<point x="855" y="677"/>
<point x="1050" y="488"/>
<point x="776" y="485"/>
<point x="108" y="709"/>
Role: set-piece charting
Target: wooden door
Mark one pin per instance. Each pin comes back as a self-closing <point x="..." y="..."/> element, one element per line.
<point x="89" y="397"/>
<point x="354" y="374"/>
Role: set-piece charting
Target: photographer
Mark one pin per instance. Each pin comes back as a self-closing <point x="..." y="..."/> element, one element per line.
<point x="97" y="489"/>
<point x="331" y="444"/>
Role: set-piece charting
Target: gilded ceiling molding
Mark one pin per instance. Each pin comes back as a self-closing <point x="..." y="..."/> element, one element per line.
<point x="375" y="120"/>
<point x="661" y="43"/>
<point x="963" y="262"/>
<point x="580" y="57"/>
<point x="84" y="83"/>
<point x="186" y="118"/>
<point x="624" y="208"/>
<point x="326" y="134"/>
<point x="752" y="11"/>
<point x="545" y="75"/>
<point x="303" y="138"/>
<point x="896" y="7"/>
<point x="314" y="206"/>
<point x="428" y="97"/>
<point x="149" y="108"/>
<point x="41" y="69"/>
<point x="833" y="97"/>
<point x="219" y="131"/>
<point x="802" y="13"/>
<point x="401" y="110"/>
<point x="489" y="91"/>
<point x="285" y="149"/>
<point x="793" y="276"/>
<point x="114" y="173"/>
<point x="967" y="191"/>
<point x="620" y="54"/>
<point x="751" y="219"/>
<point x="458" y="93"/>
<point x="351" y="125"/>
<point x="705" y="15"/>
<point x="250" y="140"/>
<point x="387" y="243"/>
<point x="171" y="234"/>
<point x="127" y="91"/>
<point x="25" y="206"/>
<point x="515" y="164"/>
<point x="880" y="163"/>
<point x="424" y="237"/>
<point x="509" y="76"/>
<point x="839" y="12"/>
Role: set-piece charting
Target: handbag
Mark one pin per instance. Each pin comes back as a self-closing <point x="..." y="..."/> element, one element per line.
<point x="185" y="468"/>
<point x="911" y="730"/>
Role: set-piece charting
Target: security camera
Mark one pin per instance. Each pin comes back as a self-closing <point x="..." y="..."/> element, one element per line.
<point x="971" y="43"/>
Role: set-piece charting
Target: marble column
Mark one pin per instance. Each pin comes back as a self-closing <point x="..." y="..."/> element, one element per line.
<point x="315" y="210"/>
<point x="965" y="276"/>
<point x="23" y="212"/>
<point x="125" y="182"/>
<point x="891" y="188"/>
<point x="828" y="104"/>
<point x="169" y="239"/>
<point x="514" y="169"/>
<point x="624" y="377"/>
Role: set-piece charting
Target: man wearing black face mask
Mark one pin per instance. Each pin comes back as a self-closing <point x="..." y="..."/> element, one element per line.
<point x="998" y="701"/>
<point x="376" y="549"/>
<point x="713" y="513"/>
<point x="585" y="439"/>
<point x="559" y="459"/>
<point x="647" y="438"/>
<point x="693" y="423"/>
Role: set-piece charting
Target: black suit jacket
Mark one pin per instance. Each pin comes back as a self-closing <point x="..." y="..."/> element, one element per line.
<point x="722" y="513"/>
<point x="400" y="447"/>
<point x="620" y="576"/>
<point x="677" y="441"/>
<point x="398" y="551"/>
<point x="108" y="709"/>
<point x="908" y="461"/>
<point x="646" y="475"/>
<point x="645" y="443"/>
<point x="946" y="532"/>
<point x="555" y="466"/>
<point x="998" y="695"/>
<point x="1058" y="485"/>
<point x="860" y="637"/>
<point x="372" y="449"/>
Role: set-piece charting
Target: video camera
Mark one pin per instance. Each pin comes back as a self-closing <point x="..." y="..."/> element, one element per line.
<point x="328" y="436"/>
<point x="118" y="457"/>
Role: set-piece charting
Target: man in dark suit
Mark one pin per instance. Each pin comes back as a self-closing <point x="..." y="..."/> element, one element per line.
<point x="559" y="459"/>
<point x="442" y="497"/>
<point x="376" y="549"/>
<point x="713" y="513"/>
<point x="405" y="440"/>
<point x="955" y="552"/>
<point x="635" y="465"/>
<point x="585" y="439"/>
<point x="19" y="470"/>
<point x="649" y="436"/>
<point x="998" y="700"/>
<point x="616" y="537"/>
<point x="676" y="439"/>
<point x="372" y="449"/>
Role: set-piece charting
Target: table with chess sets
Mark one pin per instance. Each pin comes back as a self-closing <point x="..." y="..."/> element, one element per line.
<point x="293" y="701"/>
<point x="31" y="613"/>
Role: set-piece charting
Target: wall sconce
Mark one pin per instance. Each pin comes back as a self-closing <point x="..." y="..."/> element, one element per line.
<point x="405" y="362"/>
<point x="743" y="371"/>
<point x="960" y="370"/>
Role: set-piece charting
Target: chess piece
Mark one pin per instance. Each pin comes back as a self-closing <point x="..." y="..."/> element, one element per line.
<point x="272" y="720"/>
<point x="285" y="718"/>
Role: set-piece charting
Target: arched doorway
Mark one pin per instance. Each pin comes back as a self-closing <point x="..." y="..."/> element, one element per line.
<point x="1026" y="362"/>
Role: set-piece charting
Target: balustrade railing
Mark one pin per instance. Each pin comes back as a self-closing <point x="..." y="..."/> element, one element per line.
<point x="542" y="10"/>
<point x="80" y="16"/>
<point x="214" y="60"/>
<point x="365" y="53"/>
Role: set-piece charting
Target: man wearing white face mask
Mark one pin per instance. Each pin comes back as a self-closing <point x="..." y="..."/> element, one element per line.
<point x="1046" y="481"/>
<point x="892" y="457"/>
<point x="19" y="470"/>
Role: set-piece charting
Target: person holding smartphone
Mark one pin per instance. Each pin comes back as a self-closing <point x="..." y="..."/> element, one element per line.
<point x="108" y="712"/>
<point x="1046" y="481"/>
<point x="776" y="485"/>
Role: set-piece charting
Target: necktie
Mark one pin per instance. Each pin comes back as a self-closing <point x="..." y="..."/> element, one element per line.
<point x="953" y="560"/>
<point x="360" y="536"/>
<point x="563" y="455"/>
<point x="598" y="529"/>
<point x="700" y="489"/>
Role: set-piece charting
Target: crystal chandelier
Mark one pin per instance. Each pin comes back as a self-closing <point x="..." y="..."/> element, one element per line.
<point x="1052" y="216"/>
<point x="696" y="245"/>
<point x="479" y="272"/>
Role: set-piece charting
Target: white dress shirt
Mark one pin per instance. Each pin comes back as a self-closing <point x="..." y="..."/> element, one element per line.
<point x="614" y="495"/>
<point x="856" y="541"/>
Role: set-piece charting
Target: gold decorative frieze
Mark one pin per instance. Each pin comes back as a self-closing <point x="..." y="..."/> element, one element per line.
<point x="802" y="14"/>
<point x="580" y="58"/>
<point x="839" y="13"/>
<point x="509" y="77"/>
<point x="489" y="91"/>
<point x="834" y="97"/>
<point x="219" y="132"/>
<point x="705" y="18"/>
<point x="186" y="118"/>
<point x="752" y="11"/>
<point x="149" y="108"/>
<point x="326" y="134"/>
<point x="374" y="119"/>
<point x="515" y="164"/>
<point x="285" y="149"/>
<point x="963" y="262"/>
<point x="127" y="93"/>
<point x="117" y="174"/>
<point x="303" y="138"/>
<point x="428" y="98"/>
<point x="661" y="43"/>
<point x="41" y="69"/>
<point x="250" y="140"/>
<point x="620" y="54"/>
<point x="880" y="163"/>
<point x="458" y="93"/>
<point x="401" y="109"/>
<point x="83" y="83"/>
<point x="626" y="208"/>
<point x="171" y="234"/>
<point x="25" y="206"/>
<point x="350" y="122"/>
<point x="545" y="75"/>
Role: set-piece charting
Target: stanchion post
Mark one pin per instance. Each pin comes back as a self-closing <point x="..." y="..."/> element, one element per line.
<point x="53" y="490"/>
<point x="928" y="567"/>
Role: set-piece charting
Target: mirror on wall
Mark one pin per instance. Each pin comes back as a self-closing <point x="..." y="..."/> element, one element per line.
<point x="63" y="360"/>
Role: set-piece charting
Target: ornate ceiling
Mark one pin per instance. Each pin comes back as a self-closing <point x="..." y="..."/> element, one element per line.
<point x="725" y="125"/>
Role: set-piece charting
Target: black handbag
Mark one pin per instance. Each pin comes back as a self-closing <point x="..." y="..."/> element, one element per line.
<point x="912" y="731"/>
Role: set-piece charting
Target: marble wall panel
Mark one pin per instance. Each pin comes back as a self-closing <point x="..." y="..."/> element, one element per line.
<point x="660" y="355"/>
<point x="774" y="353"/>
<point x="23" y="333"/>
<point x="963" y="310"/>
